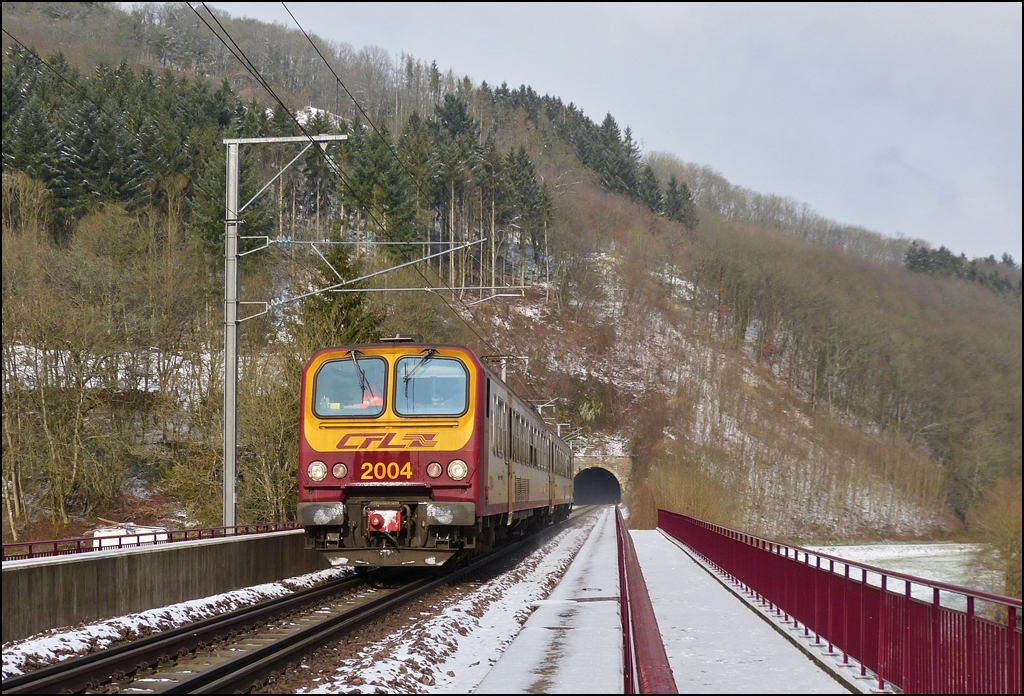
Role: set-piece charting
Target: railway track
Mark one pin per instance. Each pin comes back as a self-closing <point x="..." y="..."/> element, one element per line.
<point x="231" y="653"/>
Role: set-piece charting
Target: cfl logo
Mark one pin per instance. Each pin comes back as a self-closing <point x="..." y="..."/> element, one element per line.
<point x="380" y="441"/>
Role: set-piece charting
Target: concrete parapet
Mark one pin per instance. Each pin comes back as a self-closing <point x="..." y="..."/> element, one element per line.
<point x="65" y="590"/>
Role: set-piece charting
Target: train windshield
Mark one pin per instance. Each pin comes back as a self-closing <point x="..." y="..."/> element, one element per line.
<point x="430" y="386"/>
<point x="353" y="386"/>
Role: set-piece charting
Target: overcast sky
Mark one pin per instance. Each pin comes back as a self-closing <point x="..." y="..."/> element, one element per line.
<point x="901" y="118"/>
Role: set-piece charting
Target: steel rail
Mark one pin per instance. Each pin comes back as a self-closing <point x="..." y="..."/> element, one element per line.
<point x="99" y="667"/>
<point x="241" y="673"/>
<point x="90" y="671"/>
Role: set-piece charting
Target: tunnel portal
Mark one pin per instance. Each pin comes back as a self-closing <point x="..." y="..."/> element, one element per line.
<point x="597" y="486"/>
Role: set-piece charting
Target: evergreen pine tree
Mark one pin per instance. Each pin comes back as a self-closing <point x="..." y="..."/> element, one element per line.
<point x="335" y="318"/>
<point x="38" y="152"/>
<point x="379" y="179"/>
<point x="281" y="123"/>
<point x="453" y="118"/>
<point x="629" y="165"/>
<point x="673" y="200"/>
<point x="688" y="211"/>
<point x="649" y="190"/>
<point x="416" y="149"/>
<point x="320" y="177"/>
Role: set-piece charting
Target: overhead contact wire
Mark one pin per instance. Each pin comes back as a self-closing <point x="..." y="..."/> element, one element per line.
<point x="240" y="55"/>
<point x="401" y="164"/>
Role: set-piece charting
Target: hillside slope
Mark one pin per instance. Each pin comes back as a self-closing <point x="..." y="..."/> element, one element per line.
<point x="765" y="367"/>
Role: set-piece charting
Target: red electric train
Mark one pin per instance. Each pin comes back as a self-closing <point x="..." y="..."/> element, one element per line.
<point x="413" y="454"/>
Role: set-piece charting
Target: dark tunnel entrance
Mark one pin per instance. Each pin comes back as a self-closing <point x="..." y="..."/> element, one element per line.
<point x="596" y="486"/>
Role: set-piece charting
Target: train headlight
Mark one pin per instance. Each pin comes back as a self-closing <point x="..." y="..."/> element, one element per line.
<point x="457" y="470"/>
<point x="433" y="469"/>
<point x="317" y="471"/>
<point x="339" y="471"/>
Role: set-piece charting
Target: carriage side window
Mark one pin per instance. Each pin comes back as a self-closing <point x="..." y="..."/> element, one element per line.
<point x="498" y="427"/>
<point x="515" y="437"/>
<point x="426" y="385"/>
<point x="495" y="419"/>
<point x="352" y="386"/>
<point x="517" y="443"/>
<point x="503" y="446"/>
<point x="563" y="462"/>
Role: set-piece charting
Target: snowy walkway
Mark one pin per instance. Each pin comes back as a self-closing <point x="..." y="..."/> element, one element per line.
<point x="572" y="643"/>
<point x="715" y="643"/>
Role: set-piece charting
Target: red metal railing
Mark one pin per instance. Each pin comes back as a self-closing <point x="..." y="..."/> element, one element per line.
<point x="646" y="665"/>
<point x="899" y="626"/>
<point x="145" y="536"/>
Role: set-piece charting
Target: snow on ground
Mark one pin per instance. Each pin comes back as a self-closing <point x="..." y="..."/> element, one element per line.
<point x="527" y="310"/>
<point x="61" y="644"/>
<point x="452" y="647"/>
<point x="714" y="643"/>
<point x="572" y="643"/>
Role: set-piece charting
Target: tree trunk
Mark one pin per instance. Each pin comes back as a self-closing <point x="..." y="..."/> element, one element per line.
<point x="494" y="248"/>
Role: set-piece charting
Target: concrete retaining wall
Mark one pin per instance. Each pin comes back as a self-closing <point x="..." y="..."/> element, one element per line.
<point x="63" y="591"/>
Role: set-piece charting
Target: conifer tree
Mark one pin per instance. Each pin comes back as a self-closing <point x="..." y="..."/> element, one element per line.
<point x="379" y="181"/>
<point x="673" y="199"/>
<point x="454" y="119"/>
<point x="679" y="204"/>
<point x="335" y="318"/>
<point x="649" y="190"/>
<point x="689" y="215"/>
<point x="420" y="162"/>
<point x="491" y="175"/>
<point x="320" y="178"/>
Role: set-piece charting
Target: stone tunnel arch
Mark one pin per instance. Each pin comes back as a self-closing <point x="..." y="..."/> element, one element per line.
<point x="618" y="468"/>
<point x="596" y="486"/>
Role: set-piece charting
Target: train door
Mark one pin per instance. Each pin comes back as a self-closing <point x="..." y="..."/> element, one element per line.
<point x="510" y="459"/>
<point x="550" y="446"/>
<point x="497" y="463"/>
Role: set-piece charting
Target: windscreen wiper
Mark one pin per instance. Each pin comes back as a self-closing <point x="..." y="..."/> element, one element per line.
<point x="428" y="354"/>
<point x="364" y="385"/>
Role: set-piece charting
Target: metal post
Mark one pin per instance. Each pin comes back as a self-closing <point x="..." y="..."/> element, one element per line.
<point x="906" y="638"/>
<point x="972" y="687"/>
<point x="937" y="684"/>
<point x="230" y="332"/>
<point x="882" y="634"/>
<point x="231" y="221"/>
<point x="1012" y="665"/>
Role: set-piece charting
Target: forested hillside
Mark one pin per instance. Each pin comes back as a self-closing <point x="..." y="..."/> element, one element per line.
<point x="765" y="366"/>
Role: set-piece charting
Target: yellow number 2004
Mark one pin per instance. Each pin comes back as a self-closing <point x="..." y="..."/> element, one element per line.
<point x="385" y="472"/>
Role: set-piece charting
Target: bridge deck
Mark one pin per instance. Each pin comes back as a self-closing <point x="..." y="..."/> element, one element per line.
<point x="572" y="643"/>
<point x="715" y="643"/>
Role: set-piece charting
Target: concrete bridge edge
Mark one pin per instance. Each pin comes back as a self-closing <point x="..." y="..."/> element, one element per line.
<point x="68" y="590"/>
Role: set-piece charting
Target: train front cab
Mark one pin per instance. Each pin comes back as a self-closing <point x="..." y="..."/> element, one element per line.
<point x="389" y="454"/>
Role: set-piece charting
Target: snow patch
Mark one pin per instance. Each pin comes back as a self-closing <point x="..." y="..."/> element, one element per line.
<point x="58" y="645"/>
<point x="453" y="647"/>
